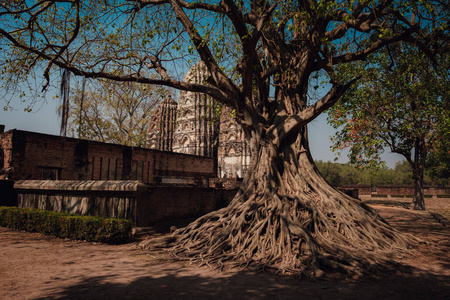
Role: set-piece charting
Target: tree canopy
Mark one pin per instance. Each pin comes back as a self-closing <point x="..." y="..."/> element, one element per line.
<point x="261" y="56"/>
<point x="113" y="112"/>
<point x="401" y="103"/>
<point x="239" y="41"/>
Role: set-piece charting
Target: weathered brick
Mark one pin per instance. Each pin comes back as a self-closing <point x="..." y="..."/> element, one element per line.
<point x="29" y="155"/>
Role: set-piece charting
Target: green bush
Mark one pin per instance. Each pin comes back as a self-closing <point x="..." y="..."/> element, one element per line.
<point x="65" y="225"/>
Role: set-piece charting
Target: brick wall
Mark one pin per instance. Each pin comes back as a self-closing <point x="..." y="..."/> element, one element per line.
<point x="409" y="190"/>
<point x="397" y="190"/>
<point x="143" y="204"/>
<point x="33" y="156"/>
<point x="164" y="204"/>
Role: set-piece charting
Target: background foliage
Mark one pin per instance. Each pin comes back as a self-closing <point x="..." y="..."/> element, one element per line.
<point x="113" y="112"/>
<point x="338" y="174"/>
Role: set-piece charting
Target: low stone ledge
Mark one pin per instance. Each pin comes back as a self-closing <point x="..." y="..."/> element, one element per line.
<point x="78" y="185"/>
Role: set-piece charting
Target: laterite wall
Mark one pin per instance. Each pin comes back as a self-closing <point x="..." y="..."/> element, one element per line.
<point x="145" y="205"/>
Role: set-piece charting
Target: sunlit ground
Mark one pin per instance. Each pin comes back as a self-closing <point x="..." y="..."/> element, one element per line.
<point x="434" y="204"/>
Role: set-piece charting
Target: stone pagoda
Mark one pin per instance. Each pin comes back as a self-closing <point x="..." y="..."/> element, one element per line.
<point x="161" y="126"/>
<point x="197" y="127"/>
<point x="193" y="126"/>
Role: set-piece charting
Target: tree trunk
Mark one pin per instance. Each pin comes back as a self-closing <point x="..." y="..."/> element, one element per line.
<point x="418" y="199"/>
<point x="286" y="218"/>
<point x="417" y="167"/>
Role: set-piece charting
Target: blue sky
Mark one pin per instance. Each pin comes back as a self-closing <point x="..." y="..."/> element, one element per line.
<point x="45" y="120"/>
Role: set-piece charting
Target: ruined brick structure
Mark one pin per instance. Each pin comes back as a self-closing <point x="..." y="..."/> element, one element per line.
<point x="199" y="129"/>
<point x="142" y="204"/>
<point x="33" y="156"/>
<point x="86" y="177"/>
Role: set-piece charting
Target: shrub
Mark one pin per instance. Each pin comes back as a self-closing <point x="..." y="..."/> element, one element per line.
<point x="65" y="225"/>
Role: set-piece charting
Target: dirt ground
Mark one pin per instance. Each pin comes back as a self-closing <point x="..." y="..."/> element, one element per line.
<point x="33" y="266"/>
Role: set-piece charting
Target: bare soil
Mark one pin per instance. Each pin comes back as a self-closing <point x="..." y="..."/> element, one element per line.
<point x="33" y="266"/>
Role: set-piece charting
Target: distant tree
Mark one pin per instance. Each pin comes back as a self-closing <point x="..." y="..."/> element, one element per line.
<point x="402" y="174"/>
<point x="400" y="103"/>
<point x="438" y="168"/>
<point x="338" y="174"/>
<point x="331" y="172"/>
<point x="114" y="112"/>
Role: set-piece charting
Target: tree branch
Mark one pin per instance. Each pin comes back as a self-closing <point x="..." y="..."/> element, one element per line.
<point x="183" y="4"/>
<point x="291" y="124"/>
<point x="250" y="60"/>
<point x="63" y="48"/>
<point x="362" y="22"/>
<point x="361" y="55"/>
<point x="221" y="81"/>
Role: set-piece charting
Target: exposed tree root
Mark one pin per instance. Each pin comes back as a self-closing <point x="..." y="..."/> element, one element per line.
<point x="290" y="235"/>
<point x="304" y="227"/>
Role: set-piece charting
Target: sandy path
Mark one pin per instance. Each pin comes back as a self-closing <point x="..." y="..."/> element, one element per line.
<point x="33" y="266"/>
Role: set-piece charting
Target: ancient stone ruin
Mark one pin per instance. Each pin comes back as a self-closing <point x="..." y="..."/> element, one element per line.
<point x="200" y="126"/>
<point x="189" y="144"/>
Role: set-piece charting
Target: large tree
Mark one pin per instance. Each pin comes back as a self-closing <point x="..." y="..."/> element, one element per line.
<point x="261" y="56"/>
<point x="113" y="112"/>
<point x="401" y="103"/>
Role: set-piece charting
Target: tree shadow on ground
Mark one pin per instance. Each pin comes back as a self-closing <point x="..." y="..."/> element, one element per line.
<point x="169" y="279"/>
<point x="250" y="285"/>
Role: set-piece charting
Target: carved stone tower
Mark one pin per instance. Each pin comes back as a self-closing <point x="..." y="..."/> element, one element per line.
<point x="161" y="126"/>
<point x="192" y="127"/>
<point x="234" y="151"/>
<point x="196" y="127"/>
